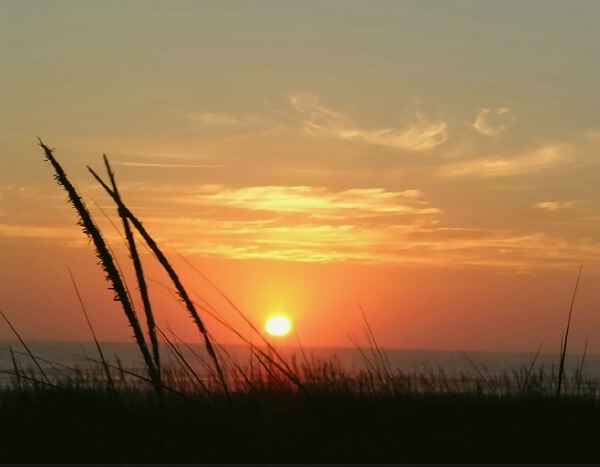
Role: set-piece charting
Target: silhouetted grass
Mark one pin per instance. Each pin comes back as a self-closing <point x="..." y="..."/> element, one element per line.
<point x="566" y="339"/>
<point x="427" y="418"/>
<point x="106" y="260"/>
<point x="220" y="410"/>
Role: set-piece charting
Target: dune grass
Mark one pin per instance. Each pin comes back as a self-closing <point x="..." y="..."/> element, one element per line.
<point x="342" y="417"/>
<point x="208" y="407"/>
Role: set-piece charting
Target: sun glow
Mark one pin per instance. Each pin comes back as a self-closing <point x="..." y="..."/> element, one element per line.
<point x="278" y="325"/>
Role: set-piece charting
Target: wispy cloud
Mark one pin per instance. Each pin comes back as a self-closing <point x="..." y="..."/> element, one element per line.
<point x="557" y="205"/>
<point x="492" y="122"/>
<point x="318" y="224"/>
<point x="368" y="225"/>
<point x="319" y="201"/>
<point x="418" y="135"/>
<point x="416" y="242"/>
<point x="537" y="160"/>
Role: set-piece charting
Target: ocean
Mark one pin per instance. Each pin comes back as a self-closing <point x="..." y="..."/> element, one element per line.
<point x="60" y="358"/>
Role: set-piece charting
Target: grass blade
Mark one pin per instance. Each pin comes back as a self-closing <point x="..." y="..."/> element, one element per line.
<point x="580" y="373"/>
<point x="104" y="364"/>
<point x="42" y="372"/>
<point x="561" y="367"/>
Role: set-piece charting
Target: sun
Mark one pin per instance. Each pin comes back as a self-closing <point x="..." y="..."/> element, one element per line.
<point x="278" y="325"/>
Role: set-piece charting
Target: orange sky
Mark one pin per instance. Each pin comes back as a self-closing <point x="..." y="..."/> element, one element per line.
<point x="436" y="163"/>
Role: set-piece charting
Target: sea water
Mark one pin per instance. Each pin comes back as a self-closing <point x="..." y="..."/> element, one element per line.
<point x="62" y="358"/>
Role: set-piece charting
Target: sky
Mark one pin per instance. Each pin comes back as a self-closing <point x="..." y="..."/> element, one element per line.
<point x="436" y="163"/>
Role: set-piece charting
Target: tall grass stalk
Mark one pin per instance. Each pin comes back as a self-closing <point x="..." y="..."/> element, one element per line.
<point x="107" y="263"/>
<point x="33" y="358"/>
<point x="526" y="381"/>
<point x="124" y="372"/>
<point x="304" y="357"/>
<point x="566" y="338"/>
<point x="485" y="380"/>
<point x="184" y="362"/>
<point x="371" y="368"/>
<point x="124" y="211"/>
<point x="16" y="367"/>
<point x="69" y="370"/>
<point x="580" y="372"/>
<point x="139" y="272"/>
<point x="87" y="318"/>
<point x="378" y="354"/>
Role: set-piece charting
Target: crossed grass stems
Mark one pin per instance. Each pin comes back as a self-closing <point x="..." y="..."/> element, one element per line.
<point x="226" y="374"/>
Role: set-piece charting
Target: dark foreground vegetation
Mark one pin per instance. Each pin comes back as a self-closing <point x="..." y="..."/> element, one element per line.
<point x="79" y="425"/>
<point x="211" y="409"/>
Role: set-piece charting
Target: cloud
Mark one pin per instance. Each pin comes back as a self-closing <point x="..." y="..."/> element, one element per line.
<point x="538" y="160"/>
<point x="493" y="122"/>
<point x="319" y="201"/>
<point x="317" y="224"/>
<point x="414" y="242"/>
<point x="294" y="223"/>
<point x="365" y="225"/>
<point x="319" y="115"/>
<point x="556" y="205"/>
<point x="419" y="135"/>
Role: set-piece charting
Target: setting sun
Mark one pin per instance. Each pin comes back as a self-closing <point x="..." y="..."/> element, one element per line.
<point x="278" y="325"/>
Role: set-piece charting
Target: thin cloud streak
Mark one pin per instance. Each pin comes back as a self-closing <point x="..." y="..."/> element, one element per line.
<point x="538" y="160"/>
<point x="421" y="135"/>
<point x="558" y="205"/>
<point x="408" y="244"/>
<point x="319" y="200"/>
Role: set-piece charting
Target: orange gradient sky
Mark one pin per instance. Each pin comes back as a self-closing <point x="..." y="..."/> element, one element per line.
<point x="437" y="163"/>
